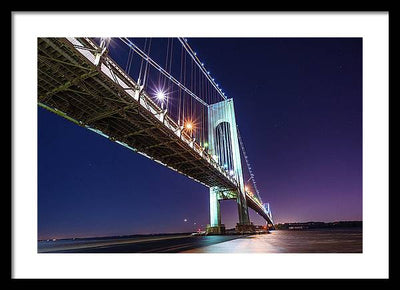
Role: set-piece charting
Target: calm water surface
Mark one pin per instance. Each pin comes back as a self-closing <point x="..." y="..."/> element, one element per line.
<point x="293" y="241"/>
<point x="317" y="240"/>
<point x="346" y="240"/>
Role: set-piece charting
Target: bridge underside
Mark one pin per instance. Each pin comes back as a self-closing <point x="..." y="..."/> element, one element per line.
<point x="253" y="205"/>
<point x="70" y="85"/>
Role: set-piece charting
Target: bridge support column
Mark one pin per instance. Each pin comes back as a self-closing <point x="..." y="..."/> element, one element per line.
<point x="215" y="227"/>
<point x="244" y="226"/>
<point x="243" y="210"/>
<point x="223" y="143"/>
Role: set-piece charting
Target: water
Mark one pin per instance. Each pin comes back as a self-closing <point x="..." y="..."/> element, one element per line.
<point x="343" y="240"/>
<point x="346" y="240"/>
<point x="83" y="243"/>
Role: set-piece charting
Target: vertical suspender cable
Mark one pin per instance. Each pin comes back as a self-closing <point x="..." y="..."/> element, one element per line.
<point x="147" y="70"/>
<point x="180" y="91"/>
<point x="127" y="62"/>
<point x="170" y="69"/>
<point x="141" y="64"/>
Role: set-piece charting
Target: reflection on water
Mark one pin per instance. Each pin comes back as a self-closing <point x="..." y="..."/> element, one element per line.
<point x="279" y="241"/>
<point x="293" y="241"/>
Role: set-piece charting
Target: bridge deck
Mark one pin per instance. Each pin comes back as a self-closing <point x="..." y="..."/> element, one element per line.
<point x="106" y="100"/>
<point x="70" y="83"/>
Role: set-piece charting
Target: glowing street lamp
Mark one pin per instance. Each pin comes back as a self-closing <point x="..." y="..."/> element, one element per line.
<point x="189" y="126"/>
<point x="161" y="96"/>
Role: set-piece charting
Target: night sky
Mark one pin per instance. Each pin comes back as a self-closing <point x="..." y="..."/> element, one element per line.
<point x="298" y="104"/>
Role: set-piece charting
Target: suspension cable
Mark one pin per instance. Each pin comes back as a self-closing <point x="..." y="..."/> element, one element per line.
<point x="160" y="69"/>
<point x="200" y="65"/>
<point x="248" y="165"/>
<point x="210" y="94"/>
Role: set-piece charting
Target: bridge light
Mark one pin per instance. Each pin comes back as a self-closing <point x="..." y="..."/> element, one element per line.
<point x="160" y="94"/>
<point x="189" y="125"/>
<point x="231" y="172"/>
<point x="205" y="145"/>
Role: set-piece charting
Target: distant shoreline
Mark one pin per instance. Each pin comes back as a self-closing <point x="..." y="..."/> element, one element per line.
<point x="318" y="225"/>
<point x="280" y="226"/>
<point x="115" y="237"/>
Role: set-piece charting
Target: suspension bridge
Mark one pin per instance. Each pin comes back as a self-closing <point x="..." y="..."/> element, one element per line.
<point x="155" y="97"/>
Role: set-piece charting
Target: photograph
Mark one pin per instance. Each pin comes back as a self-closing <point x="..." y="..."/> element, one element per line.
<point x="297" y="102"/>
<point x="186" y="144"/>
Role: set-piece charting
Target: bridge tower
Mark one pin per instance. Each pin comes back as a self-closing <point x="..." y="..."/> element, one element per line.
<point x="223" y="144"/>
